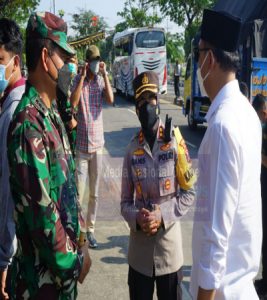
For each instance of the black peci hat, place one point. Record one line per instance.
(146, 81)
(221, 30)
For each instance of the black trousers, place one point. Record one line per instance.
(176, 86)
(264, 222)
(141, 287)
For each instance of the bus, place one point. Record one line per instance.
(137, 50)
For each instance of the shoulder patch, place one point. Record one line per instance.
(139, 152)
(165, 147)
(161, 132)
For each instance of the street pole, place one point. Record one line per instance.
(54, 6)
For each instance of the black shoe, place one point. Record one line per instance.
(91, 240)
(261, 287)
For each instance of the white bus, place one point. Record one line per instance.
(137, 50)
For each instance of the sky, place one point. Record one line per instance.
(104, 8)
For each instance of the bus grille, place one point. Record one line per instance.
(151, 65)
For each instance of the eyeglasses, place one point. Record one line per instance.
(196, 52)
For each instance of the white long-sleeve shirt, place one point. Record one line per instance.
(227, 230)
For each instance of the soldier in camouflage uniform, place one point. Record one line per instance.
(52, 254)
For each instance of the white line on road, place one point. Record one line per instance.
(132, 111)
(191, 145)
(163, 101)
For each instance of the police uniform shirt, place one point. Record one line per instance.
(150, 176)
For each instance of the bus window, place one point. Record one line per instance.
(150, 39)
(125, 47)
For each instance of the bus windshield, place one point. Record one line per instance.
(150, 39)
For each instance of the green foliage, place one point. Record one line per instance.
(105, 47)
(136, 14)
(174, 47)
(190, 33)
(121, 26)
(18, 10)
(83, 24)
(186, 13)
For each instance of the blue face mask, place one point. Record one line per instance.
(3, 80)
(73, 68)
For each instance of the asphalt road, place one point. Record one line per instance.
(108, 276)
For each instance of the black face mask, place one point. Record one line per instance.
(64, 80)
(148, 116)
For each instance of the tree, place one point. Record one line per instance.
(18, 10)
(3, 3)
(136, 14)
(87, 22)
(174, 45)
(186, 13)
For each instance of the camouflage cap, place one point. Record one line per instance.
(44, 25)
(92, 53)
(146, 81)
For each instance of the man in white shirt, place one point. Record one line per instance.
(227, 227)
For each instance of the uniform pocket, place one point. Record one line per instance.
(166, 178)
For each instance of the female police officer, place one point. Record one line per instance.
(153, 198)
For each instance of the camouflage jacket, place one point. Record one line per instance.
(47, 263)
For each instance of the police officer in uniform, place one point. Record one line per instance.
(154, 197)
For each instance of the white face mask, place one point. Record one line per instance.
(201, 80)
(94, 66)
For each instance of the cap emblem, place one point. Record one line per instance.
(145, 79)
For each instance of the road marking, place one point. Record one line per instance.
(132, 111)
(191, 145)
(163, 101)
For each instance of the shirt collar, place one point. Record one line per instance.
(35, 99)
(226, 92)
(18, 83)
(160, 134)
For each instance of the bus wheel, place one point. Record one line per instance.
(192, 124)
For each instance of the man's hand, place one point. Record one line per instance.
(86, 263)
(3, 294)
(84, 70)
(149, 221)
(141, 218)
(102, 68)
(72, 123)
(154, 220)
